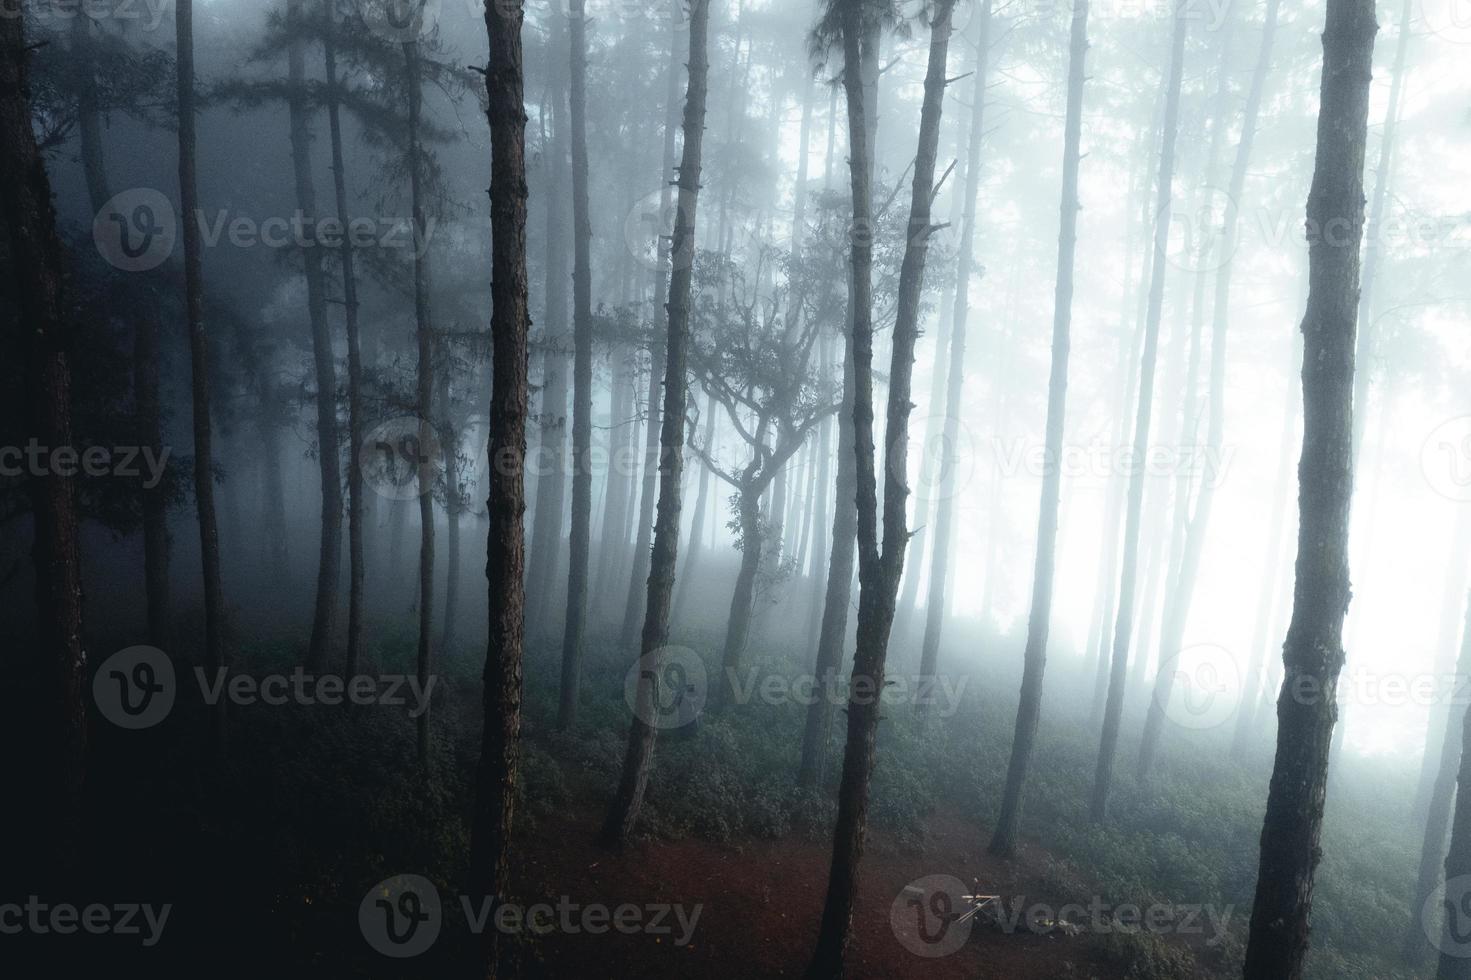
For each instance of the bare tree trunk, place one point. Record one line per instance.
(944, 530)
(551, 480)
(1438, 819)
(576, 625)
(450, 440)
(356, 512)
(1178, 606)
(1454, 963)
(613, 536)
(425, 388)
(1123, 627)
(324, 616)
(624, 809)
(38, 265)
(738, 626)
(1039, 621)
(500, 747)
(204, 489)
(1313, 655)
(879, 570)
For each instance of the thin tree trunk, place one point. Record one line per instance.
(356, 512)
(637, 583)
(879, 570)
(425, 388)
(1313, 655)
(738, 626)
(1438, 819)
(204, 489)
(944, 530)
(1123, 627)
(38, 266)
(329, 562)
(1039, 621)
(1454, 963)
(1178, 606)
(572, 636)
(500, 747)
(551, 470)
(624, 810)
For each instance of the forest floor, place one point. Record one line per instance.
(762, 902)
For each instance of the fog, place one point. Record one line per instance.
(1190, 139)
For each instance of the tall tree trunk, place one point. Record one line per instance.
(576, 625)
(1123, 627)
(1454, 963)
(450, 440)
(1453, 590)
(356, 512)
(637, 583)
(1438, 819)
(1178, 606)
(424, 334)
(1313, 655)
(624, 809)
(324, 616)
(879, 570)
(38, 266)
(551, 469)
(613, 535)
(500, 747)
(940, 537)
(204, 488)
(1039, 621)
(838, 592)
(738, 625)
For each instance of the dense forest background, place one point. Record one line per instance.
(970, 342)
